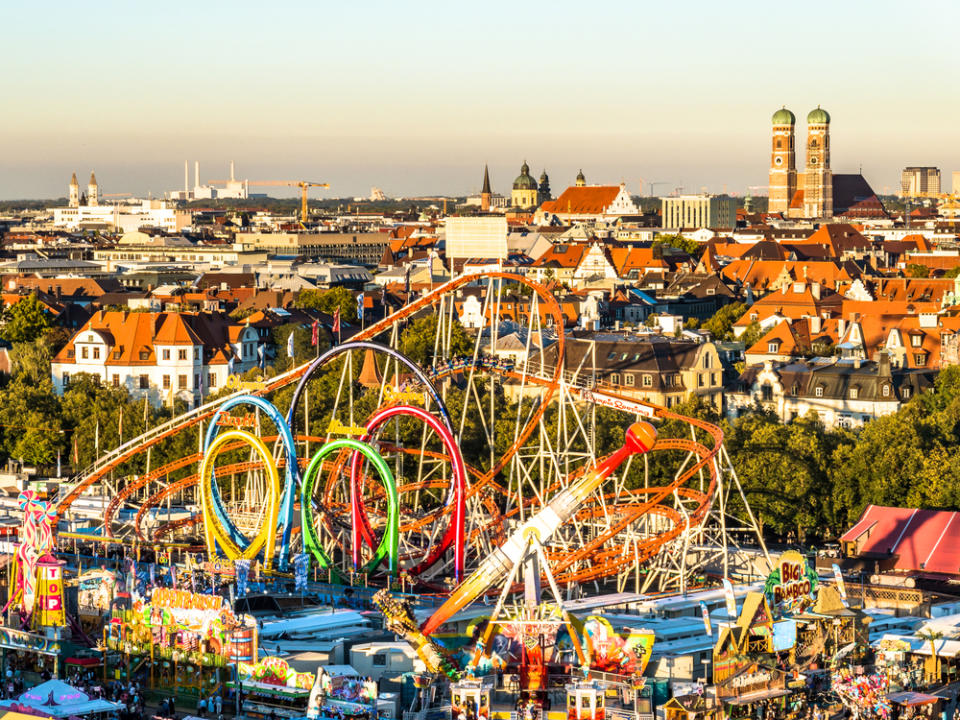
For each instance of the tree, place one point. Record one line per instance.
(329, 300)
(917, 271)
(419, 338)
(720, 325)
(751, 336)
(679, 242)
(26, 320)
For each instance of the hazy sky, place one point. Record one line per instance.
(415, 97)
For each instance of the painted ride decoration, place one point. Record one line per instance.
(792, 586)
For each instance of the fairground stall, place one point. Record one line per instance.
(183, 639)
(57, 699)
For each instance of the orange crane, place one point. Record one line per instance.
(302, 184)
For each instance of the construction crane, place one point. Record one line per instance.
(304, 185)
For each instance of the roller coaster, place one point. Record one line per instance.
(466, 450)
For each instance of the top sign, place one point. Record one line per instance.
(792, 581)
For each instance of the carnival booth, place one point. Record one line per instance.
(470, 698)
(752, 690)
(696, 706)
(908, 705)
(184, 638)
(57, 699)
(585, 701)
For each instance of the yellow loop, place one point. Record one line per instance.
(214, 533)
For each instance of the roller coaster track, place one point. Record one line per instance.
(587, 561)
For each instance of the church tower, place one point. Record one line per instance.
(93, 193)
(74, 192)
(581, 180)
(543, 191)
(818, 179)
(783, 162)
(485, 193)
(524, 193)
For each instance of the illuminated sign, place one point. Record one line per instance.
(392, 395)
(792, 581)
(338, 428)
(247, 421)
(235, 382)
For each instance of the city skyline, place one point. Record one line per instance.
(417, 102)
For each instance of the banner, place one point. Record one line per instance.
(243, 574)
(730, 599)
(841, 587)
(705, 614)
(315, 333)
(300, 566)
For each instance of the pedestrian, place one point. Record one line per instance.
(218, 702)
(201, 706)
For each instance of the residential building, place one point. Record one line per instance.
(158, 355)
(699, 211)
(920, 182)
(660, 370)
(587, 203)
(361, 248)
(841, 392)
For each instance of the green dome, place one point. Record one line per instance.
(524, 181)
(784, 117)
(818, 116)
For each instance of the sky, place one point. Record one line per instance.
(415, 97)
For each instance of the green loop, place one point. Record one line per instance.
(389, 545)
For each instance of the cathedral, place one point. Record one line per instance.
(816, 193)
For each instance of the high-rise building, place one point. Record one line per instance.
(783, 162)
(818, 178)
(920, 182)
(699, 211)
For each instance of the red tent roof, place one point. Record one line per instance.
(922, 540)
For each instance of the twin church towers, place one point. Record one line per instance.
(808, 194)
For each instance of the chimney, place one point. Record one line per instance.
(186, 176)
(815, 290)
(815, 324)
(883, 367)
(231, 171)
(196, 173)
(841, 326)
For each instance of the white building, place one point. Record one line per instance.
(122, 218)
(699, 211)
(160, 355)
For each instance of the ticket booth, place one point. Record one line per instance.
(470, 699)
(585, 701)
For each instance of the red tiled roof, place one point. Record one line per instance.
(588, 200)
(920, 540)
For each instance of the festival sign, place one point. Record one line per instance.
(793, 582)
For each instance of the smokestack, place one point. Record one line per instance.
(231, 171)
(196, 173)
(186, 176)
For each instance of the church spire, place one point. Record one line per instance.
(486, 181)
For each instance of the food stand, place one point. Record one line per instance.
(57, 699)
(754, 686)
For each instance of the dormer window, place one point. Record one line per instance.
(885, 391)
(854, 393)
(819, 391)
(916, 340)
(773, 347)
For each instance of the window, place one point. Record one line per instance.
(66, 379)
(196, 353)
(116, 380)
(920, 359)
(886, 391)
(905, 393)
(819, 391)
(96, 352)
(854, 393)
(166, 382)
(196, 381)
(144, 382)
(773, 347)
(629, 379)
(84, 352)
(713, 378)
(916, 340)
(211, 380)
(699, 379)
(766, 392)
(706, 361)
(181, 382)
(648, 380)
(181, 354)
(615, 378)
(166, 354)
(379, 660)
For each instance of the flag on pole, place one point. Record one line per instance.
(730, 598)
(705, 614)
(230, 364)
(360, 306)
(315, 333)
(290, 345)
(336, 320)
(76, 451)
(120, 425)
(841, 586)
(96, 437)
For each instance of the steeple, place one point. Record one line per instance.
(485, 194)
(581, 180)
(74, 192)
(93, 192)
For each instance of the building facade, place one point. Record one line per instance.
(525, 190)
(920, 182)
(162, 356)
(699, 211)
